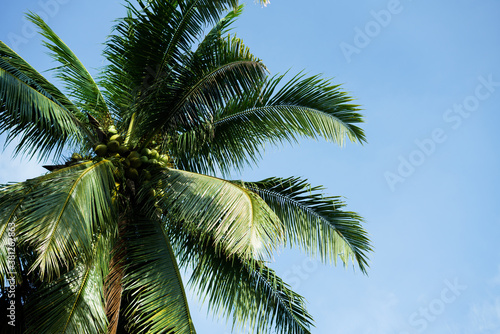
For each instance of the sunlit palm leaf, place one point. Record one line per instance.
(304, 107)
(11, 57)
(151, 43)
(64, 211)
(80, 84)
(221, 28)
(314, 222)
(214, 74)
(236, 218)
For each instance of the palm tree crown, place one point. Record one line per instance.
(101, 238)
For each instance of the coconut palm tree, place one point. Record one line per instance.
(139, 193)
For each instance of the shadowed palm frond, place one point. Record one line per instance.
(10, 208)
(74, 302)
(153, 283)
(250, 293)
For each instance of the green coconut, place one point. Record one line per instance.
(146, 174)
(146, 151)
(118, 138)
(164, 158)
(101, 150)
(122, 150)
(135, 162)
(144, 159)
(134, 154)
(113, 146)
(112, 130)
(132, 173)
(76, 156)
(154, 154)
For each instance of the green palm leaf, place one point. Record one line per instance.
(100, 236)
(237, 219)
(314, 222)
(9, 212)
(153, 283)
(28, 112)
(213, 75)
(250, 293)
(304, 107)
(74, 302)
(13, 59)
(78, 81)
(150, 44)
(63, 212)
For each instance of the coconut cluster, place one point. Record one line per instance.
(133, 161)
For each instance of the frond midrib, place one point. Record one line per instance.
(256, 110)
(305, 208)
(277, 296)
(82, 285)
(70, 192)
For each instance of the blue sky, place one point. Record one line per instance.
(427, 75)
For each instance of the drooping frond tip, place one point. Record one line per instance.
(264, 2)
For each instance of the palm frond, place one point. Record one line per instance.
(62, 213)
(304, 107)
(29, 113)
(78, 81)
(151, 42)
(157, 300)
(214, 74)
(237, 219)
(74, 302)
(221, 28)
(314, 222)
(256, 299)
(40, 82)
